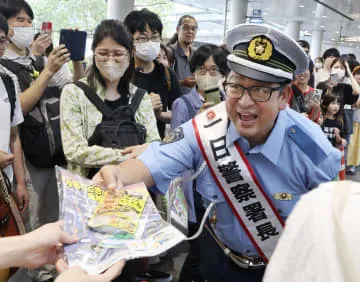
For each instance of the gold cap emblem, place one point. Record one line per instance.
(260, 48)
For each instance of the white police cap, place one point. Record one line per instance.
(264, 53)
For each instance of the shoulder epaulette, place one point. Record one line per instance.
(307, 144)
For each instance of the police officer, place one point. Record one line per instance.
(260, 156)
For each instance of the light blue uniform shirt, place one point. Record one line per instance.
(295, 158)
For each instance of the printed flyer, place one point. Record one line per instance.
(111, 225)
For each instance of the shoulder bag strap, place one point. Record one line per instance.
(94, 98)
(191, 112)
(135, 102)
(168, 78)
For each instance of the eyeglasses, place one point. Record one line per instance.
(144, 39)
(213, 71)
(193, 28)
(118, 56)
(4, 40)
(257, 93)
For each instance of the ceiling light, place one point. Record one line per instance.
(324, 16)
(301, 6)
(337, 32)
(322, 26)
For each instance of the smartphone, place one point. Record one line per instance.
(46, 28)
(212, 94)
(75, 42)
(334, 78)
(316, 95)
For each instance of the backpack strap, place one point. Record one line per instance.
(10, 89)
(94, 98)
(298, 96)
(135, 102)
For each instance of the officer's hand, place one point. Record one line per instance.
(343, 142)
(39, 46)
(76, 274)
(134, 151)
(57, 58)
(156, 102)
(6, 159)
(205, 106)
(108, 176)
(188, 81)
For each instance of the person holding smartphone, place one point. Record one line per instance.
(209, 66)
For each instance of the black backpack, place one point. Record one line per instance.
(118, 128)
(40, 131)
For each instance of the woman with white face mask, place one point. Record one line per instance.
(342, 84)
(109, 77)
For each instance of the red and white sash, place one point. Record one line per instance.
(237, 181)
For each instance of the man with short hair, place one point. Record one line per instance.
(259, 155)
(182, 50)
(158, 80)
(306, 47)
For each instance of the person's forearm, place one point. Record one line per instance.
(12, 250)
(79, 70)
(16, 149)
(31, 96)
(134, 171)
(355, 85)
(165, 116)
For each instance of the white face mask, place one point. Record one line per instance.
(112, 71)
(147, 51)
(23, 36)
(205, 81)
(339, 72)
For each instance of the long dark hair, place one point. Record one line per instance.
(117, 31)
(326, 101)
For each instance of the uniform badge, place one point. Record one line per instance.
(283, 196)
(210, 115)
(260, 48)
(173, 136)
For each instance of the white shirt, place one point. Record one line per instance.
(310, 249)
(6, 123)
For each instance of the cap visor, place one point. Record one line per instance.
(261, 73)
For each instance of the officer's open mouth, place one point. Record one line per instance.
(247, 117)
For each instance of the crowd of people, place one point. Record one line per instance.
(257, 121)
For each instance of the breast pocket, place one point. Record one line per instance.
(206, 186)
(284, 202)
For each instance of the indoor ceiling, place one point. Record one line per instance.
(340, 19)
